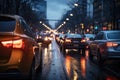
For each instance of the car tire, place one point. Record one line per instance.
(63, 50)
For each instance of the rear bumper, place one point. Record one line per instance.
(111, 54)
(114, 54)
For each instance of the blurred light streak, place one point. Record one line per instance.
(83, 66)
(68, 64)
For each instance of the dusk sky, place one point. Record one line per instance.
(55, 9)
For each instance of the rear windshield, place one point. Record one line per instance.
(7, 24)
(113, 35)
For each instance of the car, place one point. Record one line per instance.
(89, 38)
(60, 39)
(18, 48)
(44, 38)
(105, 46)
(74, 41)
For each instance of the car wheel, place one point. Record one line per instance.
(60, 47)
(63, 50)
(32, 73)
(98, 58)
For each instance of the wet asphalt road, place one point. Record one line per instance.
(71, 65)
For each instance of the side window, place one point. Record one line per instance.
(26, 28)
(99, 36)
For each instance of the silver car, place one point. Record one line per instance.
(106, 45)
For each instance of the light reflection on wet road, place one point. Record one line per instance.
(52, 63)
(72, 66)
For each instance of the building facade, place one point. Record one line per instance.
(117, 13)
(40, 8)
(105, 14)
(7, 7)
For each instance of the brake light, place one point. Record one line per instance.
(67, 40)
(87, 39)
(46, 38)
(83, 40)
(13, 43)
(111, 44)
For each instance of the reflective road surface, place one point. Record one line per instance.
(71, 65)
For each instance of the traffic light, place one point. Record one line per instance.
(82, 25)
(104, 28)
(87, 30)
(96, 27)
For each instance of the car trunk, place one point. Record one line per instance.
(7, 27)
(5, 47)
(118, 46)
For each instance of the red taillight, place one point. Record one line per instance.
(13, 43)
(87, 39)
(111, 44)
(83, 40)
(67, 40)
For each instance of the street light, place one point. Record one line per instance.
(75, 4)
(64, 22)
(67, 19)
(40, 22)
(71, 14)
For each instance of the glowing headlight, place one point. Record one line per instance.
(46, 38)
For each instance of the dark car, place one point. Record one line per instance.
(18, 48)
(60, 39)
(105, 46)
(89, 38)
(44, 38)
(74, 41)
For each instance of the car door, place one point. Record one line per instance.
(97, 43)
